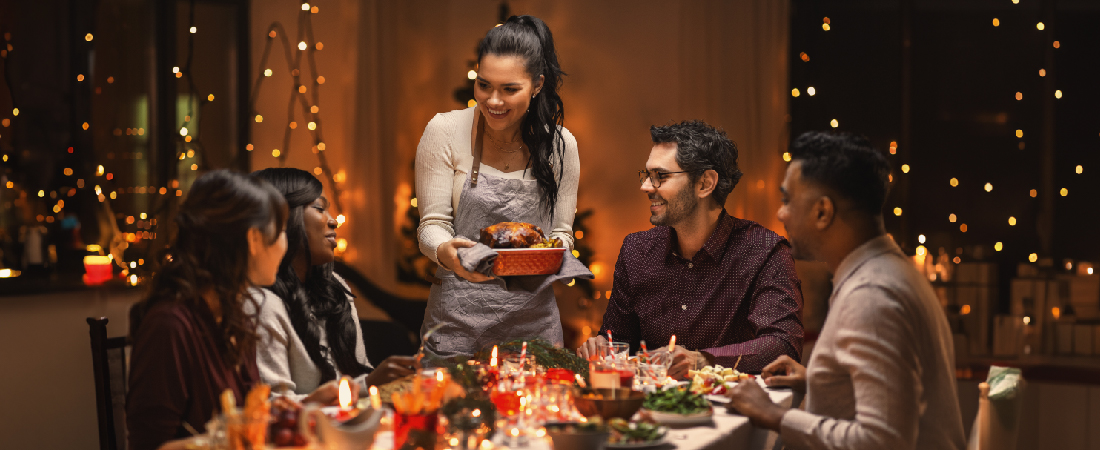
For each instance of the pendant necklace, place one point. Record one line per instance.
(506, 147)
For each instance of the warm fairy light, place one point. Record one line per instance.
(85, 125)
(576, 253)
(176, 69)
(962, 228)
(989, 187)
(110, 80)
(1069, 265)
(271, 34)
(472, 74)
(88, 37)
(312, 125)
(305, 6)
(1056, 312)
(921, 250)
(951, 218)
(10, 185)
(259, 118)
(133, 280)
(893, 147)
(1042, 72)
(276, 153)
(998, 246)
(68, 172)
(267, 72)
(1039, 26)
(1064, 192)
(194, 30)
(1057, 44)
(812, 92)
(321, 146)
(803, 56)
(193, 167)
(825, 26)
(320, 80)
(897, 212)
(921, 239)
(302, 89)
(293, 125)
(313, 109)
(1019, 133)
(1079, 169)
(1058, 93)
(1027, 320)
(954, 182)
(183, 131)
(340, 176)
(1012, 221)
(834, 123)
(1089, 270)
(795, 93)
(904, 168)
(996, 22)
(341, 245)
(471, 103)
(964, 310)
(787, 156)
(210, 98)
(1033, 257)
(340, 219)
(302, 45)
(15, 111)
(317, 171)
(1019, 96)
(80, 77)
(956, 260)
(314, 10)
(1034, 193)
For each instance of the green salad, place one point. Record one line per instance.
(623, 432)
(676, 401)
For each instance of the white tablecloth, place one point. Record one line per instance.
(726, 431)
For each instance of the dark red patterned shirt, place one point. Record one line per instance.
(739, 295)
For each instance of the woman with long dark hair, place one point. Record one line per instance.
(192, 336)
(525, 170)
(309, 327)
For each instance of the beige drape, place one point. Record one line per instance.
(390, 66)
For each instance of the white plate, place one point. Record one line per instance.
(679, 419)
(720, 399)
(662, 440)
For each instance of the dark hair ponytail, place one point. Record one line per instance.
(530, 38)
(321, 297)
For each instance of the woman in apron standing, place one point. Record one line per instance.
(524, 167)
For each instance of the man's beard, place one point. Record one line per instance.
(675, 211)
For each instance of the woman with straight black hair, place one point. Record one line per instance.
(507, 159)
(309, 327)
(193, 336)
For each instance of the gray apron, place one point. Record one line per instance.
(477, 315)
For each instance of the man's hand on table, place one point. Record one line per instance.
(684, 360)
(593, 347)
(749, 399)
(391, 369)
(785, 371)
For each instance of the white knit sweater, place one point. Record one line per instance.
(282, 359)
(443, 161)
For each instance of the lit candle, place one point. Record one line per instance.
(375, 399)
(493, 359)
(346, 412)
(672, 343)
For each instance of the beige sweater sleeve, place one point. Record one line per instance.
(443, 160)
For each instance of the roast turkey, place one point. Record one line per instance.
(512, 235)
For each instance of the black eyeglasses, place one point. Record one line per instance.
(655, 178)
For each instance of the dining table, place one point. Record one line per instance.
(725, 430)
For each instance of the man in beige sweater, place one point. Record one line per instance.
(882, 372)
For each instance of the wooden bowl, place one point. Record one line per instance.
(621, 402)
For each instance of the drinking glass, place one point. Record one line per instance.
(418, 427)
(603, 374)
(619, 350)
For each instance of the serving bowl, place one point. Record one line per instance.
(527, 261)
(608, 403)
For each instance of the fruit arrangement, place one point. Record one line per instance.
(715, 379)
(283, 431)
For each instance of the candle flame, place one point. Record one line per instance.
(477, 412)
(375, 399)
(493, 360)
(439, 375)
(672, 343)
(345, 393)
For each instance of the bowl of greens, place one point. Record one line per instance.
(677, 406)
(635, 434)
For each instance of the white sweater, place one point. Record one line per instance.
(282, 359)
(443, 161)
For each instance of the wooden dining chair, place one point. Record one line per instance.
(109, 368)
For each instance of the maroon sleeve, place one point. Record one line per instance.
(156, 402)
(619, 317)
(776, 317)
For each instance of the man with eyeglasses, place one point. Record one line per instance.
(725, 287)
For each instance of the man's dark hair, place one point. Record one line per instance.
(845, 163)
(699, 148)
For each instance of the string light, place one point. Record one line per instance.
(340, 219)
(1080, 169)
(302, 45)
(1019, 96)
(834, 123)
(904, 168)
(954, 182)
(194, 30)
(998, 246)
(804, 56)
(989, 187)
(897, 212)
(276, 153)
(267, 72)
(1042, 72)
(921, 239)
(1058, 93)
(1040, 26)
(951, 218)
(1033, 257)
(787, 156)
(996, 22)
(893, 147)
(795, 93)
(1019, 133)
(259, 118)
(1034, 193)
(962, 228)
(305, 6)
(1057, 44)
(1011, 221)
(812, 92)
(210, 98)
(88, 37)
(1064, 192)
